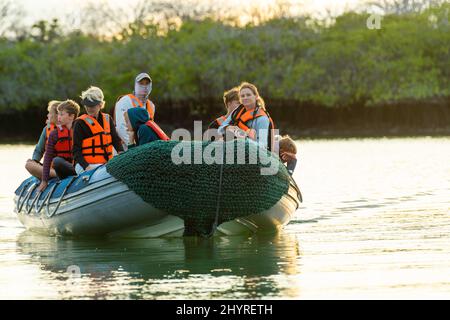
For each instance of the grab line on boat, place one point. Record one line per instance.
(47, 197)
(18, 205)
(299, 193)
(28, 208)
(27, 197)
(73, 178)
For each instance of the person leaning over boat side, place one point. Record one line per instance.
(141, 129)
(138, 99)
(58, 151)
(33, 165)
(94, 133)
(231, 102)
(287, 152)
(251, 118)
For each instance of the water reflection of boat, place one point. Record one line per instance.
(162, 257)
(97, 204)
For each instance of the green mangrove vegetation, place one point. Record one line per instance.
(312, 74)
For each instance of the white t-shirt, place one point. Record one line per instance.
(122, 106)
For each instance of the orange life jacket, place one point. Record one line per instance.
(63, 147)
(244, 120)
(98, 148)
(148, 105)
(49, 128)
(220, 120)
(159, 132)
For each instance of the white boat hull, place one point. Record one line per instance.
(106, 207)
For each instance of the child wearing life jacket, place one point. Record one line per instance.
(58, 151)
(33, 165)
(231, 102)
(141, 129)
(288, 152)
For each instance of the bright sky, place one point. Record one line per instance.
(47, 9)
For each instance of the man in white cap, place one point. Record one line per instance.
(138, 99)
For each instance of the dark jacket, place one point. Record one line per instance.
(143, 134)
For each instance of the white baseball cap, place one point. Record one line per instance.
(143, 75)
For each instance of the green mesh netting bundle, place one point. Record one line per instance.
(190, 191)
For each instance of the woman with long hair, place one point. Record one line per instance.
(251, 118)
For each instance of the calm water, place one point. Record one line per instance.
(375, 223)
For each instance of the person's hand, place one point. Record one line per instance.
(42, 186)
(232, 128)
(240, 134)
(288, 156)
(90, 167)
(251, 134)
(237, 132)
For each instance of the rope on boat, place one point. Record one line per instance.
(28, 208)
(216, 218)
(27, 197)
(19, 205)
(38, 208)
(73, 178)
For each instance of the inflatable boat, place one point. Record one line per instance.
(155, 200)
